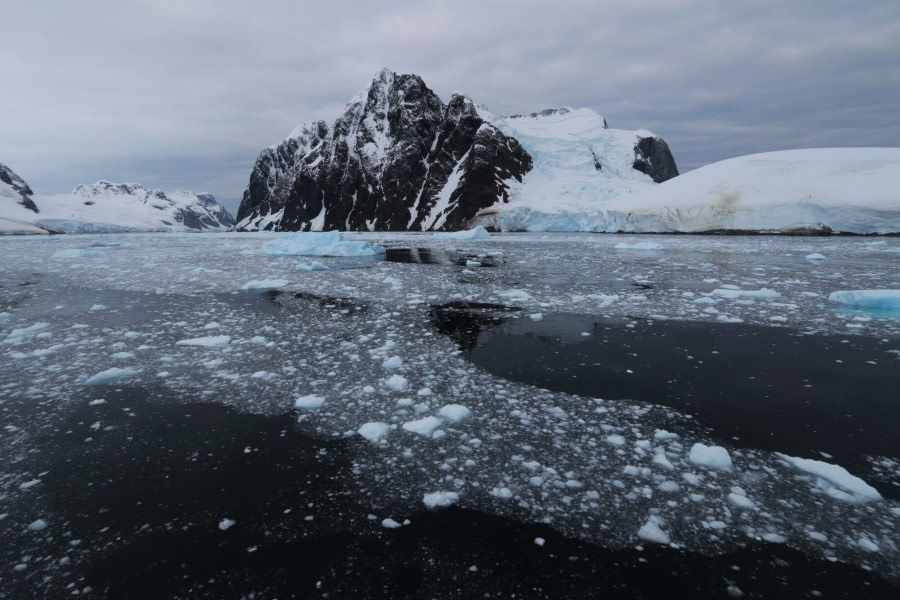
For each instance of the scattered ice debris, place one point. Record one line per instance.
(398, 383)
(374, 430)
(38, 525)
(331, 243)
(835, 480)
(313, 266)
(440, 499)
(503, 493)
(425, 426)
(730, 293)
(479, 233)
(454, 413)
(310, 402)
(109, 375)
(536, 317)
(516, 295)
(873, 299)
(17, 335)
(651, 532)
(711, 457)
(390, 524)
(394, 362)
(815, 256)
(213, 341)
(639, 246)
(264, 284)
(225, 524)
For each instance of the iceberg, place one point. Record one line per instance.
(872, 299)
(331, 243)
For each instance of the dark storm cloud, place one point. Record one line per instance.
(178, 94)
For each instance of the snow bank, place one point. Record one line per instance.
(331, 243)
(873, 299)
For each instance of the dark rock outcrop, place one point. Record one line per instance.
(397, 159)
(653, 157)
(18, 185)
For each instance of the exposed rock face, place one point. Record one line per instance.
(653, 157)
(19, 189)
(397, 159)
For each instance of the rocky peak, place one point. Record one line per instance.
(20, 191)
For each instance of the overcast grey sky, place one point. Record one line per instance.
(183, 94)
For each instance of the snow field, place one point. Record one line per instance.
(422, 419)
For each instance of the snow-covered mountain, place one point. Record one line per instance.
(851, 190)
(105, 207)
(17, 208)
(401, 159)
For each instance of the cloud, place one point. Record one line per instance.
(185, 94)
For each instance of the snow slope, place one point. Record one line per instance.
(16, 204)
(855, 190)
(105, 207)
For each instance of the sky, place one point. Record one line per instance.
(183, 94)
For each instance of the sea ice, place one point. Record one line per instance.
(479, 233)
(440, 499)
(712, 457)
(454, 413)
(639, 246)
(109, 375)
(309, 402)
(425, 426)
(830, 475)
(873, 299)
(226, 524)
(331, 243)
(396, 382)
(651, 532)
(729, 293)
(264, 284)
(374, 430)
(212, 341)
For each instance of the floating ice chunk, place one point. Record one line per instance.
(867, 544)
(729, 319)
(109, 375)
(615, 440)
(454, 413)
(226, 524)
(212, 341)
(479, 233)
(727, 292)
(661, 435)
(875, 299)
(4, 316)
(75, 253)
(740, 501)
(314, 266)
(97, 402)
(396, 382)
(121, 355)
(712, 457)
(17, 335)
(651, 532)
(503, 493)
(536, 317)
(97, 307)
(389, 523)
(394, 362)
(539, 541)
(374, 430)
(424, 392)
(516, 295)
(440, 499)
(833, 476)
(774, 538)
(264, 284)
(425, 426)
(668, 486)
(38, 525)
(310, 402)
(660, 459)
(815, 256)
(29, 484)
(639, 246)
(331, 243)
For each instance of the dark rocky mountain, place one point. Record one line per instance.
(19, 189)
(397, 159)
(400, 159)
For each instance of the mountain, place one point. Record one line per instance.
(17, 208)
(398, 158)
(105, 207)
(850, 190)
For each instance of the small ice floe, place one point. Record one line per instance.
(394, 362)
(262, 285)
(711, 457)
(398, 383)
(225, 524)
(17, 335)
(374, 431)
(109, 375)
(310, 402)
(516, 295)
(331, 243)
(389, 523)
(313, 266)
(815, 256)
(38, 525)
(652, 532)
(440, 499)
(730, 294)
(211, 341)
(835, 480)
(76, 253)
(97, 307)
(479, 233)
(454, 413)
(536, 317)
(639, 246)
(424, 426)
(872, 299)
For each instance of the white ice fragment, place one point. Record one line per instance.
(374, 430)
(264, 284)
(615, 440)
(454, 413)
(661, 435)
(668, 486)
(29, 484)
(424, 392)
(38, 525)
(479, 233)
(440, 499)
(536, 317)
(872, 299)
(212, 341)
(740, 501)
(774, 538)
(314, 266)
(97, 307)
(539, 541)
(516, 295)
(639, 246)
(727, 292)
(97, 402)
(109, 375)
(396, 382)
(394, 362)
(712, 457)
(226, 523)
(309, 402)
(425, 426)
(331, 243)
(830, 476)
(815, 256)
(867, 544)
(651, 532)
(389, 523)
(503, 493)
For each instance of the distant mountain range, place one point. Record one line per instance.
(105, 207)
